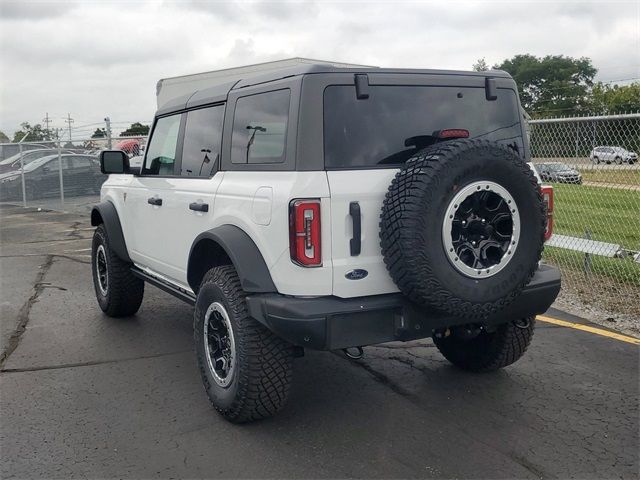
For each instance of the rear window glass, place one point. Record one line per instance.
(395, 121)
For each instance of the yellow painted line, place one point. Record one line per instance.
(590, 329)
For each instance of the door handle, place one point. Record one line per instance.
(154, 201)
(199, 207)
(355, 243)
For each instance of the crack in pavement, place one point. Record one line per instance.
(23, 313)
(91, 362)
(57, 240)
(55, 255)
(75, 233)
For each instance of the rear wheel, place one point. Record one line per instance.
(618, 161)
(245, 368)
(480, 350)
(596, 160)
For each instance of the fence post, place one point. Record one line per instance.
(577, 139)
(587, 257)
(107, 121)
(60, 174)
(24, 191)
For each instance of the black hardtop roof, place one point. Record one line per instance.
(219, 90)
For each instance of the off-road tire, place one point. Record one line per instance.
(488, 351)
(124, 290)
(411, 226)
(262, 377)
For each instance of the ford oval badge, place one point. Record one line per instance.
(357, 274)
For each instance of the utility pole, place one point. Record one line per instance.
(47, 121)
(107, 121)
(69, 120)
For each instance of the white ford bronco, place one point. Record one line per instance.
(331, 207)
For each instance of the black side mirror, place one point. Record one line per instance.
(114, 161)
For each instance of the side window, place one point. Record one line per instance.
(202, 140)
(161, 153)
(260, 128)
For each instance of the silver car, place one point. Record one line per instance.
(613, 154)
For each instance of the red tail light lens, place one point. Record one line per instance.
(453, 133)
(547, 196)
(304, 232)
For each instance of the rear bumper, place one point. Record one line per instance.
(330, 323)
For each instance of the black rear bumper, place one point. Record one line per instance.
(329, 323)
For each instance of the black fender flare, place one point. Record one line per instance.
(243, 253)
(106, 213)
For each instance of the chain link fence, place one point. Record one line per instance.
(59, 175)
(592, 163)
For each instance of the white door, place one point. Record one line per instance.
(358, 193)
(172, 210)
(149, 199)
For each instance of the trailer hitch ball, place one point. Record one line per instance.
(354, 353)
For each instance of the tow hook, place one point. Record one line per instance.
(354, 356)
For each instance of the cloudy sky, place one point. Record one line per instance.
(97, 58)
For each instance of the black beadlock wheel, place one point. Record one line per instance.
(489, 350)
(246, 369)
(118, 291)
(462, 227)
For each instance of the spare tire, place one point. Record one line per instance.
(462, 227)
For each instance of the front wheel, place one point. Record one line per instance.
(478, 349)
(118, 291)
(596, 160)
(245, 368)
(618, 161)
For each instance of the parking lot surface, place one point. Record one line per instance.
(83, 395)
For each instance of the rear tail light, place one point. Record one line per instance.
(304, 232)
(450, 133)
(547, 197)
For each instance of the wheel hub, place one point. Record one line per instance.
(219, 344)
(102, 273)
(481, 229)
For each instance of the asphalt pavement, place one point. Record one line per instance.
(84, 395)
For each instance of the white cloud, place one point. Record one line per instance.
(94, 59)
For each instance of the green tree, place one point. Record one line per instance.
(608, 99)
(99, 133)
(552, 85)
(33, 133)
(136, 129)
(3, 137)
(481, 65)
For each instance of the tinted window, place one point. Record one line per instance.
(202, 139)
(161, 153)
(260, 128)
(396, 121)
(81, 162)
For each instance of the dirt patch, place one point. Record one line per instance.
(599, 300)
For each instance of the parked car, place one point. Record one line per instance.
(618, 155)
(9, 149)
(13, 163)
(80, 173)
(556, 172)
